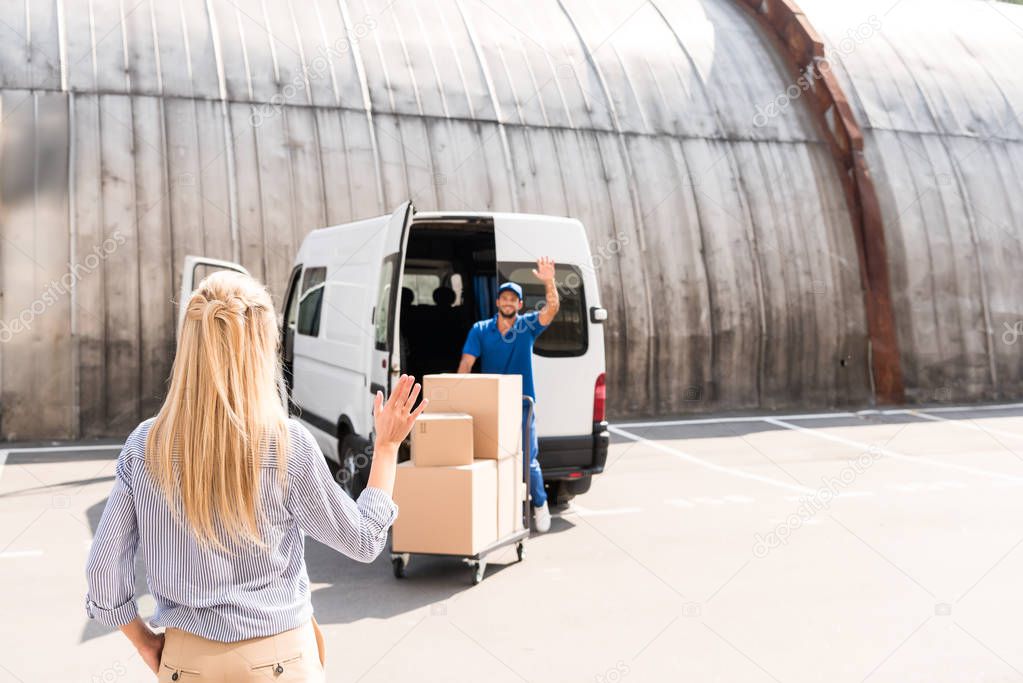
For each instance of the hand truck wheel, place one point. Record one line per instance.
(399, 562)
(478, 569)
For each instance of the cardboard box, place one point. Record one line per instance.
(442, 439)
(445, 509)
(494, 401)
(509, 495)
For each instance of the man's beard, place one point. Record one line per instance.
(507, 316)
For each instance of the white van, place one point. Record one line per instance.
(370, 300)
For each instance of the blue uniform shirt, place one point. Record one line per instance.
(508, 354)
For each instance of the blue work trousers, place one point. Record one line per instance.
(536, 490)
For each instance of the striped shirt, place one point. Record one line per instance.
(216, 594)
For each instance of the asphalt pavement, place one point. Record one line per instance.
(861, 546)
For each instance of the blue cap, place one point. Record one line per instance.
(511, 286)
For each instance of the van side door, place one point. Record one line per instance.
(387, 312)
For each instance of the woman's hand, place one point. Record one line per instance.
(394, 419)
(151, 651)
(148, 643)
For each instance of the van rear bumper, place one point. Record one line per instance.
(567, 457)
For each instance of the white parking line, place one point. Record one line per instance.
(712, 500)
(745, 500)
(919, 459)
(586, 512)
(966, 425)
(731, 471)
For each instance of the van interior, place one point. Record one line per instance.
(449, 282)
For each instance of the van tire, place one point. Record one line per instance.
(558, 494)
(562, 492)
(576, 486)
(355, 454)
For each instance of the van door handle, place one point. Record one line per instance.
(598, 314)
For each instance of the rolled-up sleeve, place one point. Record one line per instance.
(324, 511)
(110, 569)
(472, 344)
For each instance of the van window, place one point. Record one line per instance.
(456, 285)
(422, 286)
(568, 334)
(291, 305)
(382, 314)
(311, 301)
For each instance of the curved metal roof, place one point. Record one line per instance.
(233, 128)
(938, 90)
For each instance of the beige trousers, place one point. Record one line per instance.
(293, 655)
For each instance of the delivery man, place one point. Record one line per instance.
(505, 345)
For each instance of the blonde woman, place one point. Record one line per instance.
(217, 491)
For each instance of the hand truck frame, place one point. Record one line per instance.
(478, 563)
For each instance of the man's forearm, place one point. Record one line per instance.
(465, 365)
(553, 298)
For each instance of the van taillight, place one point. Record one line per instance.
(599, 399)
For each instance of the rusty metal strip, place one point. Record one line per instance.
(792, 33)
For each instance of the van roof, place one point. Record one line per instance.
(312, 241)
(423, 216)
(440, 215)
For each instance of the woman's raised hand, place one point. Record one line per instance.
(395, 417)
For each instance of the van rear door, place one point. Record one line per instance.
(194, 269)
(569, 355)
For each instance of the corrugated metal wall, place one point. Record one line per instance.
(135, 133)
(938, 90)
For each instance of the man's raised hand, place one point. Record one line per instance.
(544, 271)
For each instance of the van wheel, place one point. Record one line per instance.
(355, 459)
(559, 493)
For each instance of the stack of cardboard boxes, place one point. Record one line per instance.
(462, 490)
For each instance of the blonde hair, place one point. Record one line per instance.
(222, 411)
